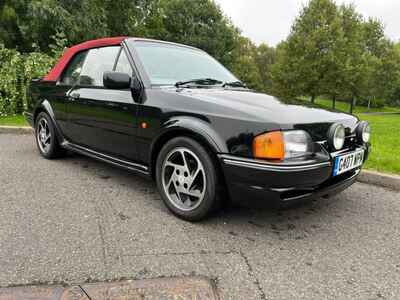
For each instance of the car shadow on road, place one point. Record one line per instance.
(306, 214)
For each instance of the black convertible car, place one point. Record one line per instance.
(173, 113)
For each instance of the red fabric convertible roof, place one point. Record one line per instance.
(56, 71)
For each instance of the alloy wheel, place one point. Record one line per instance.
(183, 179)
(43, 135)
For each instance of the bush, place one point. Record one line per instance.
(10, 61)
(16, 72)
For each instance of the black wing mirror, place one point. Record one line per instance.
(116, 80)
(137, 89)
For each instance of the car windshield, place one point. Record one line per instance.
(168, 64)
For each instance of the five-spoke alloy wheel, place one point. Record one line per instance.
(183, 179)
(187, 179)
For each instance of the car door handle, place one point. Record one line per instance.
(74, 96)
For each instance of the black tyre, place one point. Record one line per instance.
(188, 179)
(46, 138)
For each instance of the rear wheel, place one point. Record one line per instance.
(188, 179)
(46, 138)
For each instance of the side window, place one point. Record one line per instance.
(123, 64)
(97, 62)
(71, 74)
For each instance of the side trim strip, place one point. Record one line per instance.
(106, 158)
(249, 163)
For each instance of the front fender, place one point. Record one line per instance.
(198, 127)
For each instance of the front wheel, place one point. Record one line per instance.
(187, 179)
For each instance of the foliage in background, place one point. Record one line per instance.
(244, 65)
(332, 51)
(35, 33)
(10, 61)
(265, 58)
(309, 55)
(17, 70)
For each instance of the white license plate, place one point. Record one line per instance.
(348, 162)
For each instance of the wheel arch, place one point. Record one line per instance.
(46, 107)
(198, 130)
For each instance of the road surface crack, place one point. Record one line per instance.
(252, 275)
(202, 252)
(83, 291)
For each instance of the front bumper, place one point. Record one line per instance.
(255, 181)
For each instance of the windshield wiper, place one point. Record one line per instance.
(200, 81)
(234, 84)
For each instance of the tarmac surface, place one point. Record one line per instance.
(75, 220)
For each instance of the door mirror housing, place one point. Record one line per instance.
(137, 89)
(116, 80)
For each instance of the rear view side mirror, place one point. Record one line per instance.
(137, 89)
(116, 80)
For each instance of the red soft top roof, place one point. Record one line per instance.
(56, 71)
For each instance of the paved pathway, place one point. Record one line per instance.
(76, 220)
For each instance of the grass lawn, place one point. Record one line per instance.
(17, 120)
(385, 156)
(344, 106)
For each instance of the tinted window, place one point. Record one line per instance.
(168, 64)
(71, 74)
(97, 62)
(123, 64)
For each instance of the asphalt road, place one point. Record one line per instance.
(76, 220)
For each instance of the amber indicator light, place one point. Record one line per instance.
(269, 145)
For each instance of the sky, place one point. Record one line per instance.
(269, 21)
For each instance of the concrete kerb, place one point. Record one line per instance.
(15, 130)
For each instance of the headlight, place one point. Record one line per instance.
(297, 143)
(281, 145)
(336, 136)
(363, 132)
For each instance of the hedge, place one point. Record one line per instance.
(16, 72)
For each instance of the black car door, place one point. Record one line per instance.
(59, 93)
(101, 119)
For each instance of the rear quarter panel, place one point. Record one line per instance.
(50, 97)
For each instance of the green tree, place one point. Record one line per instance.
(10, 33)
(245, 66)
(308, 56)
(199, 23)
(382, 64)
(354, 60)
(389, 75)
(286, 82)
(394, 96)
(265, 57)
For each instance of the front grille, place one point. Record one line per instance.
(350, 144)
(350, 141)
